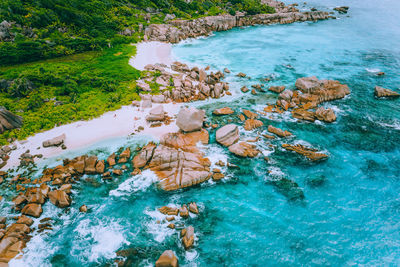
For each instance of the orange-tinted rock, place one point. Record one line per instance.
(251, 124)
(303, 114)
(183, 211)
(185, 141)
(143, 157)
(383, 92)
(59, 198)
(309, 153)
(193, 208)
(169, 211)
(111, 160)
(277, 89)
(124, 156)
(167, 259)
(90, 164)
(278, 131)
(326, 115)
(83, 208)
(24, 220)
(188, 237)
(34, 210)
(100, 167)
(249, 114)
(244, 149)
(223, 111)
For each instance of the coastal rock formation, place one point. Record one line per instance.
(190, 119)
(223, 111)
(227, 135)
(185, 141)
(56, 141)
(326, 115)
(167, 259)
(310, 153)
(278, 131)
(178, 30)
(8, 120)
(243, 149)
(251, 124)
(187, 236)
(156, 114)
(383, 92)
(277, 89)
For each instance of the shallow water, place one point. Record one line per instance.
(353, 217)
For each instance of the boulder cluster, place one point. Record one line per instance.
(181, 83)
(177, 30)
(304, 101)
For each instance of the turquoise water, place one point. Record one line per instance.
(352, 218)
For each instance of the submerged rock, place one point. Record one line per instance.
(223, 111)
(288, 188)
(310, 153)
(316, 180)
(383, 92)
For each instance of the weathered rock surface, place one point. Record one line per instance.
(187, 236)
(383, 92)
(277, 89)
(278, 131)
(185, 141)
(56, 141)
(190, 119)
(326, 115)
(251, 124)
(34, 210)
(244, 149)
(156, 114)
(310, 153)
(227, 135)
(167, 259)
(8, 120)
(223, 111)
(59, 198)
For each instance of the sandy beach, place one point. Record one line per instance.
(113, 124)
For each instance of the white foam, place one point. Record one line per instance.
(96, 241)
(276, 172)
(158, 225)
(134, 184)
(372, 70)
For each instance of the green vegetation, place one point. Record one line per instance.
(59, 91)
(42, 29)
(84, 50)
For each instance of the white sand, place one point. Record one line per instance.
(113, 124)
(151, 53)
(119, 123)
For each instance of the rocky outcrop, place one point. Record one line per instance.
(187, 236)
(326, 115)
(310, 153)
(383, 92)
(223, 111)
(342, 9)
(178, 30)
(227, 135)
(156, 114)
(56, 141)
(167, 259)
(251, 124)
(8, 120)
(279, 132)
(190, 119)
(243, 149)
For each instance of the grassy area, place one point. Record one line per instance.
(68, 89)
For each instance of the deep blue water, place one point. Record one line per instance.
(352, 218)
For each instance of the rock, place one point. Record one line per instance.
(383, 92)
(169, 211)
(223, 111)
(56, 141)
(193, 208)
(184, 212)
(252, 124)
(158, 98)
(278, 132)
(59, 198)
(310, 153)
(241, 75)
(117, 172)
(146, 104)
(24, 220)
(111, 160)
(244, 149)
(288, 188)
(136, 103)
(320, 90)
(8, 120)
(167, 259)
(302, 114)
(226, 70)
(188, 237)
(244, 89)
(227, 135)
(190, 119)
(249, 114)
(202, 75)
(143, 86)
(34, 210)
(316, 180)
(217, 176)
(171, 226)
(277, 89)
(156, 114)
(100, 167)
(90, 165)
(144, 156)
(124, 156)
(83, 208)
(342, 9)
(326, 115)
(66, 188)
(185, 141)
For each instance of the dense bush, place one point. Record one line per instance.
(53, 28)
